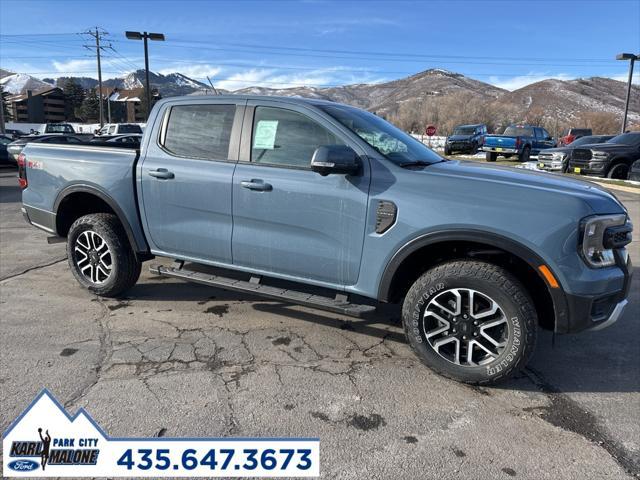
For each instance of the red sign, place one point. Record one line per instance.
(430, 130)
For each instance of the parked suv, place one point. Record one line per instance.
(571, 135)
(466, 139)
(318, 194)
(557, 159)
(611, 159)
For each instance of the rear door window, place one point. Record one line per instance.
(199, 131)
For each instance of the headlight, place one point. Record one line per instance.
(558, 156)
(598, 155)
(594, 231)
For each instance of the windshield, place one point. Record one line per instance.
(518, 132)
(390, 141)
(129, 129)
(464, 131)
(59, 128)
(626, 139)
(585, 140)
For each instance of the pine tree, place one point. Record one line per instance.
(90, 108)
(155, 96)
(8, 114)
(74, 95)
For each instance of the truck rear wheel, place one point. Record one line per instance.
(525, 154)
(470, 321)
(100, 255)
(491, 156)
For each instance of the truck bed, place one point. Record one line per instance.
(54, 171)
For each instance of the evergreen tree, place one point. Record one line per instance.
(74, 95)
(90, 108)
(8, 114)
(155, 96)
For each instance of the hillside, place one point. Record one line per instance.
(435, 96)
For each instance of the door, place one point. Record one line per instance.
(287, 219)
(543, 140)
(186, 181)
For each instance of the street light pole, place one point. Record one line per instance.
(632, 58)
(146, 36)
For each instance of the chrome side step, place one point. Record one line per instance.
(340, 304)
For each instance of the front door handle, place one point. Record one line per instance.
(161, 173)
(255, 184)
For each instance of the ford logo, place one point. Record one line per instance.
(23, 465)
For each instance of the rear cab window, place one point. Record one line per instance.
(201, 131)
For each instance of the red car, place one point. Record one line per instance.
(574, 133)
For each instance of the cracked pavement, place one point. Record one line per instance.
(178, 359)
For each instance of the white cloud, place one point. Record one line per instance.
(193, 71)
(75, 67)
(273, 78)
(514, 83)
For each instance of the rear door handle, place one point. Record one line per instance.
(256, 184)
(161, 173)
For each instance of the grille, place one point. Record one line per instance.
(581, 154)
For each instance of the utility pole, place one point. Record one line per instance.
(632, 58)
(2, 130)
(97, 34)
(146, 36)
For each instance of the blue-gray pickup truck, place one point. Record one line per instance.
(520, 140)
(332, 207)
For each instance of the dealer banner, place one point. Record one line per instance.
(45, 441)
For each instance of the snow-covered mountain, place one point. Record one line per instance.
(561, 99)
(16, 83)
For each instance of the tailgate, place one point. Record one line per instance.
(500, 141)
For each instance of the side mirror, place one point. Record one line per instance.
(330, 159)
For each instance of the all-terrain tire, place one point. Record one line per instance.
(525, 154)
(105, 231)
(491, 156)
(487, 281)
(447, 151)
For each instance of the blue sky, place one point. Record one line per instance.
(283, 43)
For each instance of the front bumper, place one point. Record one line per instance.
(592, 167)
(595, 312)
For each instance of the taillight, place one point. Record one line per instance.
(22, 170)
(518, 142)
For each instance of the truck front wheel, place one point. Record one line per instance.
(470, 321)
(100, 255)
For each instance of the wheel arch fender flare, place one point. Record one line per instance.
(501, 242)
(97, 191)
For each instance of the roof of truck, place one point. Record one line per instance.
(294, 100)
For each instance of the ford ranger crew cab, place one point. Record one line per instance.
(291, 197)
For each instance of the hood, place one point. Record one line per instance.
(537, 183)
(606, 147)
(457, 138)
(557, 150)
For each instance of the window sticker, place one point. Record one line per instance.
(265, 136)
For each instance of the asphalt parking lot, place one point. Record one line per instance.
(179, 359)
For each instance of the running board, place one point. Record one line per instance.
(339, 304)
